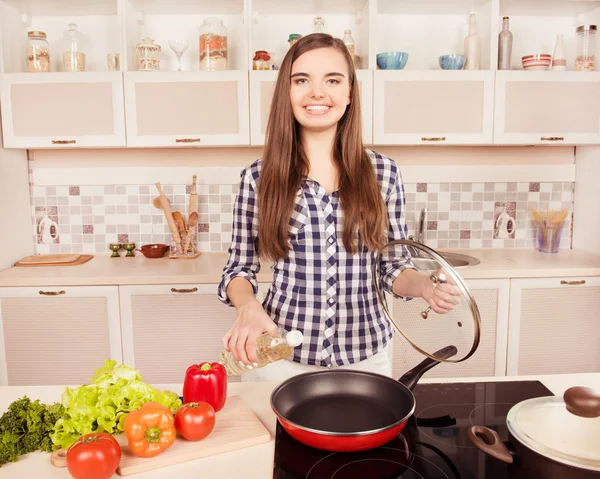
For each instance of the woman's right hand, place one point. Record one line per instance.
(240, 340)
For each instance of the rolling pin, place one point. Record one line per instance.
(169, 215)
(193, 198)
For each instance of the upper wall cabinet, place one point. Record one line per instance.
(187, 109)
(547, 108)
(262, 86)
(63, 110)
(449, 107)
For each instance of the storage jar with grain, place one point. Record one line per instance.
(38, 52)
(213, 45)
(73, 57)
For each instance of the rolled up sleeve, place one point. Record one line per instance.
(243, 253)
(395, 259)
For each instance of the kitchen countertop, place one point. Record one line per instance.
(103, 270)
(254, 462)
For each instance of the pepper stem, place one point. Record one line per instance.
(153, 434)
(205, 367)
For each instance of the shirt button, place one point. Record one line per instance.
(331, 301)
(331, 239)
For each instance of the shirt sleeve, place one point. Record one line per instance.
(243, 253)
(395, 259)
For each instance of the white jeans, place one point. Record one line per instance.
(281, 370)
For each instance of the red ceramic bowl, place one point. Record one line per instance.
(154, 250)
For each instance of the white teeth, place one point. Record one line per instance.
(317, 108)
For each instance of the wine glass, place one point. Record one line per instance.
(179, 46)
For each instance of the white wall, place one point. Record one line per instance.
(586, 233)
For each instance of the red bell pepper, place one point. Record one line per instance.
(206, 382)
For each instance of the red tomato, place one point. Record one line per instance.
(195, 420)
(94, 456)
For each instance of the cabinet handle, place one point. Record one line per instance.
(434, 138)
(64, 142)
(552, 138)
(573, 282)
(192, 290)
(53, 293)
(187, 140)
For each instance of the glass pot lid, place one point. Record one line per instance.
(429, 333)
(549, 428)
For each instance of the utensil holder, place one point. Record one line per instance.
(176, 253)
(548, 236)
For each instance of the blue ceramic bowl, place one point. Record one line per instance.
(392, 60)
(454, 61)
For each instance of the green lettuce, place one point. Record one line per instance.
(103, 405)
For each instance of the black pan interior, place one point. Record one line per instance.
(342, 401)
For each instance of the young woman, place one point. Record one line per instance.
(318, 205)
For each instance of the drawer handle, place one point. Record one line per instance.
(434, 138)
(552, 138)
(192, 290)
(64, 142)
(53, 293)
(573, 282)
(187, 140)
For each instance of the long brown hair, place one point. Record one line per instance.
(285, 165)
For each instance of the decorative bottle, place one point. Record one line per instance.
(319, 25)
(268, 349)
(350, 45)
(472, 46)
(505, 41)
(559, 59)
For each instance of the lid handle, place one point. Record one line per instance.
(583, 402)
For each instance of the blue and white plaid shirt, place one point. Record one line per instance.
(321, 289)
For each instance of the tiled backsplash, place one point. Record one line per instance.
(85, 219)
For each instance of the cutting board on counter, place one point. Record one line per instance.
(54, 260)
(236, 427)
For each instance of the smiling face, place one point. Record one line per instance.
(320, 89)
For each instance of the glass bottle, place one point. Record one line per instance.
(505, 41)
(586, 48)
(268, 349)
(148, 55)
(73, 57)
(559, 59)
(472, 46)
(350, 45)
(319, 25)
(38, 52)
(213, 45)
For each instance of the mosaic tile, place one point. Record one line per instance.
(422, 187)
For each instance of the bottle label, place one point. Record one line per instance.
(559, 63)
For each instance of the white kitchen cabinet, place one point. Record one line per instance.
(57, 335)
(63, 110)
(433, 107)
(547, 108)
(182, 109)
(553, 326)
(262, 87)
(489, 359)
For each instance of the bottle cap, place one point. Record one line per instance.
(294, 338)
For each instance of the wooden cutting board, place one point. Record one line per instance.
(55, 260)
(236, 427)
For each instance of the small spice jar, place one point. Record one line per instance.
(293, 38)
(73, 57)
(585, 60)
(261, 60)
(148, 55)
(213, 45)
(38, 52)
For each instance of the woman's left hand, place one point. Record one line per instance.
(441, 296)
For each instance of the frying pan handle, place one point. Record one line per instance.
(488, 441)
(411, 378)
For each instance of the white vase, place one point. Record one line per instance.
(559, 59)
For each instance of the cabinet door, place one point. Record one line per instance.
(553, 326)
(57, 335)
(489, 359)
(262, 87)
(63, 110)
(547, 108)
(187, 108)
(433, 107)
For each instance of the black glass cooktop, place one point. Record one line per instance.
(434, 445)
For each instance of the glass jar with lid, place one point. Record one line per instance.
(148, 55)
(585, 60)
(293, 38)
(73, 57)
(213, 45)
(38, 52)
(261, 60)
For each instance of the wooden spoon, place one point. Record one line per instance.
(192, 223)
(180, 222)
